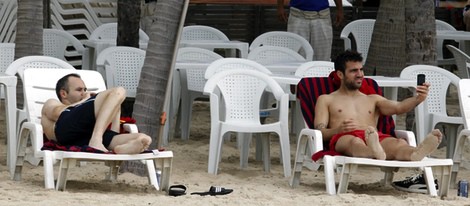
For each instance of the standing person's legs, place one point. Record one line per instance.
(321, 39)
(299, 26)
(107, 107)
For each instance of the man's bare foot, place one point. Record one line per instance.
(372, 141)
(428, 145)
(98, 146)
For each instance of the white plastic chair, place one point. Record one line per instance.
(311, 141)
(192, 82)
(361, 30)
(435, 106)
(284, 39)
(122, 66)
(241, 91)
(271, 55)
(461, 60)
(38, 91)
(201, 32)
(56, 43)
(109, 31)
(464, 136)
(315, 69)
(33, 62)
(442, 25)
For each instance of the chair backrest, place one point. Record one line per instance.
(464, 98)
(234, 64)
(310, 88)
(315, 69)
(38, 90)
(55, 43)
(442, 25)
(241, 90)
(284, 39)
(461, 60)
(122, 66)
(200, 32)
(361, 30)
(7, 55)
(194, 78)
(266, 55)
(36, 62)
(109, 31)
(440, 80)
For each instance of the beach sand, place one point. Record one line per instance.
(252, 186)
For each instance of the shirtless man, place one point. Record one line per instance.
(81, 118)
(348, 118)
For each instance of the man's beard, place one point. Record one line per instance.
(351, 85)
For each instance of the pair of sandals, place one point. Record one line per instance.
(178, 190)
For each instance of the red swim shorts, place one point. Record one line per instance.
(357, 133)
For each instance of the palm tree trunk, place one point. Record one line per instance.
(29, 28)
(149, 104)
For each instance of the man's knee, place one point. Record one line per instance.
(118, 92)
(145, 139)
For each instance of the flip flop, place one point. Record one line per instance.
(214, 191)
(177, 190)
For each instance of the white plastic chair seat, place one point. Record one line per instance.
(37, 91)
(285, 39)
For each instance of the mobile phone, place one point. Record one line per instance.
(421, 79)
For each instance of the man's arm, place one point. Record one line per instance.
(281, 13)
(389, 107)
(339, 12)
(52, 109)
(322, 117)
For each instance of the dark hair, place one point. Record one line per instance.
(346, 56)
(63, 84)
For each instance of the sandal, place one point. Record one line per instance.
(177, 190)
(214, 191)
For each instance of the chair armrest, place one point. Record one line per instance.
(33, 130)
(407, 135)
(316, 137)
(131, 128)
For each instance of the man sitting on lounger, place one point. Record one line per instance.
(347, 118)
(81, 118)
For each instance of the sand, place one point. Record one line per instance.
(252, 186)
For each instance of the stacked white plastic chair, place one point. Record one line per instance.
(361, 31)
(56, 44)
(241, 91)
(8, 20)
(121, 66)
(286, 39)
(435, 107)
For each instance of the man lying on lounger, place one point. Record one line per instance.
(348, 118)
(81, 118)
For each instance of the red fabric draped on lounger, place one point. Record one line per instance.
(309, 89)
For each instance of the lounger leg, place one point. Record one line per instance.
(388, 174)
(165, 164)
(152, 174)
(430, 181)
(65, 164)
(344, 179)
(329, 162)
(299, 160)
(461, 139)
(444, 178)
